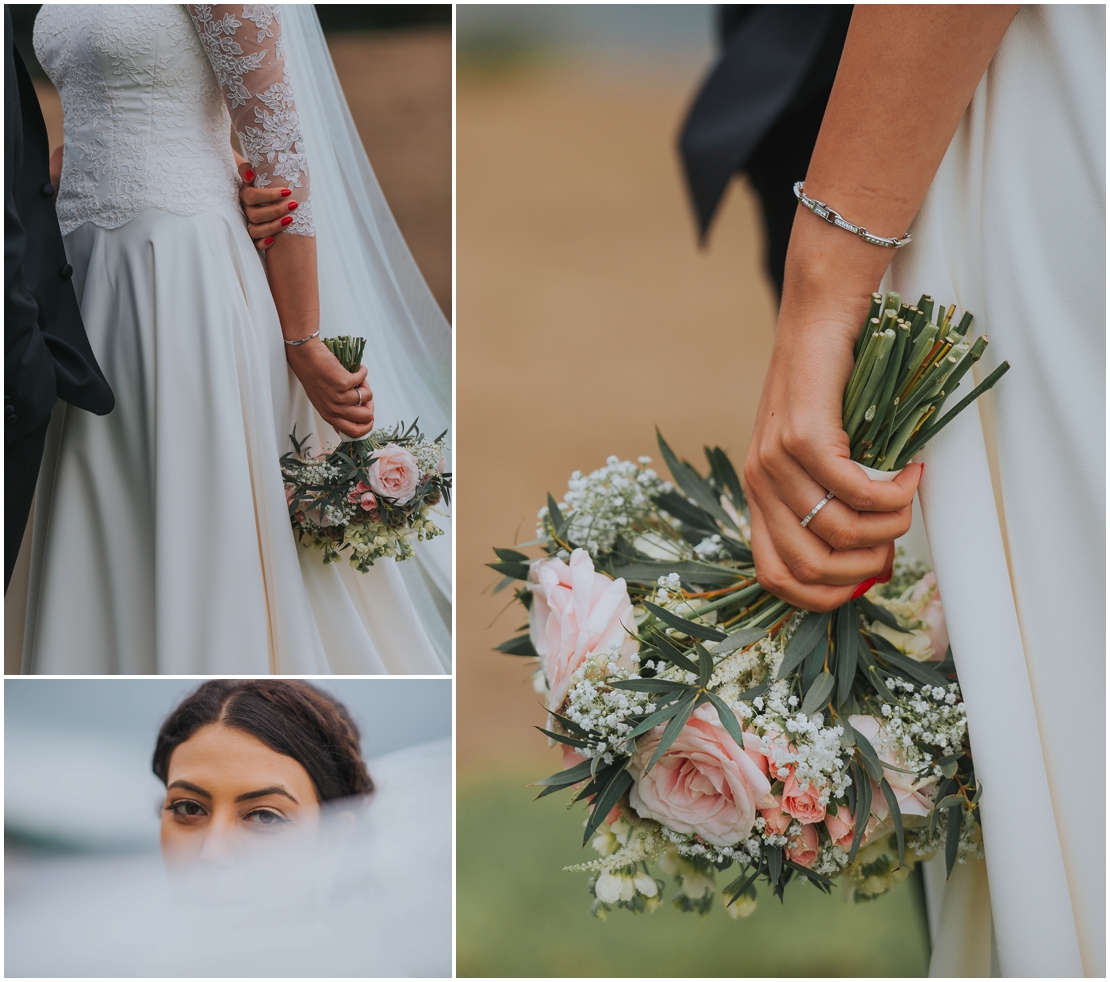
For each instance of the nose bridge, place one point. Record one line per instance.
(219, 845)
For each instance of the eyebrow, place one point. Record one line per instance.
(275, 789)
(189, 786)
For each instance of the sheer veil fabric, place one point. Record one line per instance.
(1013, 495)
(161, 541)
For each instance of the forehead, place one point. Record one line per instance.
(223, 759)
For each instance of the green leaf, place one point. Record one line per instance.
(873, 675)
(648, 573)
(693, 484)
(774, 863)
(950, 801)
(554, 514)
(873, 612)
(518, 571)
(818, 695)
(756, 690)
(564, 779)
(674, 727)
(809, 634)
(896, 814)
(846, 655)
(728, 718)
(739, 639)
(504, 582)
(618, 784)
(914, 669)
(563, 738)
(951, 843)
(700, 631)
(671, 652)
(689, 514)
(867, 756)
(863, 807)
(705, 665)
(655, 719)
(816, 878)
(651, 685)
(726, 475)
(949, 765)
(511, 555)
(739, 886)
(521, 645)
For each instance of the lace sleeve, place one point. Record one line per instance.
(244, 44)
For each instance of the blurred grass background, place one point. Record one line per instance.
(587, 315)
(519, 914)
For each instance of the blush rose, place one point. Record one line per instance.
(394, 473)
(576, 612)
(802, 849)
(802, 804)
(703, 783)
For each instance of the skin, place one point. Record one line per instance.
(214, 830)
(343, 399)
(880, 145)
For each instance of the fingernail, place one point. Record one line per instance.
(268, 241)
(285, 192)
(287, 220)
(885, 578)
(292, 206)
(248, 175)
(865, 586)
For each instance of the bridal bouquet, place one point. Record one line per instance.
(711, 726)
(371, 497)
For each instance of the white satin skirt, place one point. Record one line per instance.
(161, 540)
(1014, 495)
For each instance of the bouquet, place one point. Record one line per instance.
(710, 726)
(369, 497)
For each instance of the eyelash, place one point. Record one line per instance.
(178, 812)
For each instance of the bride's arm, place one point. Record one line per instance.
(906, 76)
(244, 46)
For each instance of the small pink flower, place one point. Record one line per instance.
(368, 501)
(802, 849)
(803, 805)
(441, 466)
(356, 493)
(841, 826)
(933, 615)
(777, 820)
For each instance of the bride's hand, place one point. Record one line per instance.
(343, 399)
(268, 210)
(799, 451)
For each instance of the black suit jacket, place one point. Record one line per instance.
(46, 351)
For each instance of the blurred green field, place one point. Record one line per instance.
(519, 914)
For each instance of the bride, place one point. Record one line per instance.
(161, 540)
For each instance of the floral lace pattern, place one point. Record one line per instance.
(244, 46)
(145, 123)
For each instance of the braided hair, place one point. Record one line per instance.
(292, 718)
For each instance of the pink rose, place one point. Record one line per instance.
(841, 826)
(803, 805)
(394, 473)
(441, 464)
(802, 849)
(914, 797)
(777, 820)
(704, 783)
(576, 612)
(933, 615)
(368, 502)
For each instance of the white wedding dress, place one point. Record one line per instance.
(1013, 495)
(161, 540)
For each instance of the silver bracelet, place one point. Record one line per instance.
(294, 344)
(822, 210)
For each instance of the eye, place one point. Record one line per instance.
(186, 808)
(266, 817)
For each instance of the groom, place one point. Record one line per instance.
(46, 352)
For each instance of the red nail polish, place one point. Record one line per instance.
(287, 220)
(285, 192)
(865, 586)
(248, 175)
(268, 241)
(292, 206)
(885, 578)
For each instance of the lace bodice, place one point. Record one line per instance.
(150, 92)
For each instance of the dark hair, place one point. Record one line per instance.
(291, 717)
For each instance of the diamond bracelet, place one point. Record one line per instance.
(822, 210)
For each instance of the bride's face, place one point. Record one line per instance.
(230, 797)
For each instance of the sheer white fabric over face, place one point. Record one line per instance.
(245, 46)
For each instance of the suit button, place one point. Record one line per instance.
(48, 189)
(66, 271)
